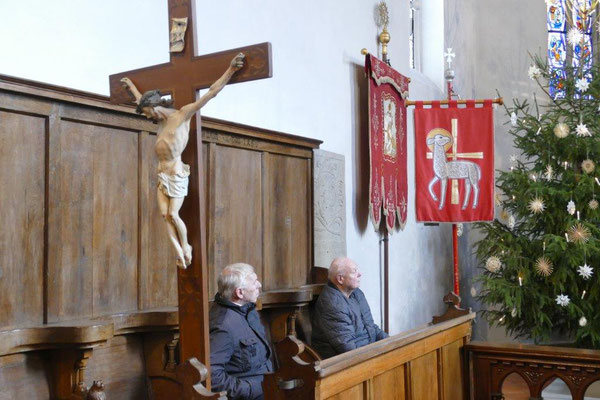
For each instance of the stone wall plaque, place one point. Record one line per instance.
(329, 207)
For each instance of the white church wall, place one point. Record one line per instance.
(491, 40)
(318, 90)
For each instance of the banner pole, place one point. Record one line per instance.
(452, 299)
(409, 103)
(449, 78)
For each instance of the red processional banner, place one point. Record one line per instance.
(454, 162)
(388, 189)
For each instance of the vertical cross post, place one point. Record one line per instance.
(182, 77)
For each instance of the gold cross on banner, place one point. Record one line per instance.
(454, 155)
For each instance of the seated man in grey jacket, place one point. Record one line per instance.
(239, 350)
(342, 320)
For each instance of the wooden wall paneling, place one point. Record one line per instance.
(207, 204)
(16, 102)
(70, 230)
(452, 363)
(22, 198)
(408, 381)
(286, 257)
(261, 143)
(160, 368)
(115, 220)
(108, 119)
(145, 287)
(354, 393)
(120, 365)
(158, 280)
(424, 378)
(390, 385)
(52, 220)
(266, 218)
(24, 376)
(440, 373)
(309, 221)
(235, 210)
(208, 158)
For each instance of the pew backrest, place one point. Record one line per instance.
(423, 363)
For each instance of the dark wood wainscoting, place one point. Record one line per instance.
(87, 275)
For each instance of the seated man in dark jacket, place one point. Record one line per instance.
(342, 320)
(239, 351)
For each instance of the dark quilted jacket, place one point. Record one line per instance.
(341, 323)
(239, 351)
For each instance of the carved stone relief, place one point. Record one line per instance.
(329, 207)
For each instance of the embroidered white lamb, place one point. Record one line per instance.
(460, 169)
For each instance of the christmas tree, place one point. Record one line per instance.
(541, 254)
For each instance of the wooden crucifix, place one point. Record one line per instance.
(182, 77)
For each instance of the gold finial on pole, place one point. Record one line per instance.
(364, 51)
(384, 36)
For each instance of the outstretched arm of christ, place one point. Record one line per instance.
(236, 64)
(134, 91)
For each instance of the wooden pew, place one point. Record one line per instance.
(423, 363)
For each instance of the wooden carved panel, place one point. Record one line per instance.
(120, 365)
(390, 385)
(452, 368)
(70, 233)
(93, 236)
(235, 221)
(354, 393)
(115, 220)
(287, 253)
(22, 166)
(158, 275)
(24, 376)
(424, 377)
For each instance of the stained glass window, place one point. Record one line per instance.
(557, 50)
(582, 51)
(570, 33)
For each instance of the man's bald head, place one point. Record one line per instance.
(344, 273)
(339, 266)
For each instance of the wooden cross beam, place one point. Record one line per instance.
(186, 73)
(182, 77)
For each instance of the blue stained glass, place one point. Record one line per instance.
(556, 84)
(582, 59)
(579, 23)
(583, 53)
(556, 15)
(557, 52)
(557, 46)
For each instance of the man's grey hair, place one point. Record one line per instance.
(339, 266)
(232, 277)
(152, 98)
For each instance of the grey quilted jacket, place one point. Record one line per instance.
(341, 323)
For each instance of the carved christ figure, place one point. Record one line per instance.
(172, 137)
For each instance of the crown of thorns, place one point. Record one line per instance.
(152, 98)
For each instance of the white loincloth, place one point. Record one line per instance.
(174, 185)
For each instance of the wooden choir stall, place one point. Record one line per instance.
(87, 274)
